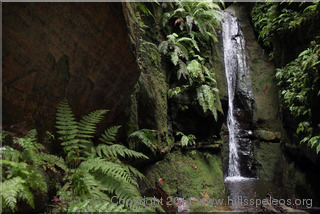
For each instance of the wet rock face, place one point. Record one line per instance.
(78, 50)
(246, 158)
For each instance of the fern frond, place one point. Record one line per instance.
(109, 135)
(18, 168)
(88, 123)
(135, 172)
(208, 100)
(165, 18)
(14, 189)
(124, 190)
(36, 179)
(83, 183)
(67, 126)
(54, 160)
(163, 47)
(118, 150)
(108, 168)
(144, 137)
(189, 20)
(95, 205)
(182, 70)
(182, 50)
(32, 135)
(10, 154)
(31, 148)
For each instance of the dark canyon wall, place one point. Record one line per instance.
(81, 51)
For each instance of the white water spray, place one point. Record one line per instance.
(237, 72)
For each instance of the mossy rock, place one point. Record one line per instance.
(271, 160)
(187, 175)
(266, 135)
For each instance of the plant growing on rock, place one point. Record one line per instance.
(198, 22)
(94, 173)
(23, 167)
(187, 140)
(197, 19)
(300, 91)
(270, 21)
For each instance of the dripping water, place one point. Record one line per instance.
(238, 78)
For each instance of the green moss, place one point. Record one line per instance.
(271, 158)
(188, 175)
(219, 72)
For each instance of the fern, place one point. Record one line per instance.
(13, 190)
(118, 150)
(53, 161)
(187, 140)
(87, 126)
(22, 173)
(182, 70)
(109, 135)
(67, 128)
(95, 205)
(75, 135)
(108, 168)
(299, 81)
(202, 16)
(123, 190)
(209, 100)
(100, 173)
(178, 47)
(144, 137)
(198, 22)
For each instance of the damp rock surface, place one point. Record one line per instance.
(81, 51)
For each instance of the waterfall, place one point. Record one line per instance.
(239, 82)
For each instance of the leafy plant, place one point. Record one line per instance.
(174, 91)
(197, 22)
(208, 98)
(270, 21)
(176, 48)
(75, 136)
(21, 171)
(143, 136)
(198, 19)
(94, 172)
(299, 82)
(187, 140)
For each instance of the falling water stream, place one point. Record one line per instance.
(240, 186)
(237, 72)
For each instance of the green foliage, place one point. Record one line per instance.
(16, 189)
(187, 140)
(75, 136)
(190, 47)
(174, 91)
(92, 205)
(300, 90)
(198, 19)
(271, 21)
(177, 48)
(99, 172)
(208, 98)
(144, 137)
(150, 49)
(22, 172)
